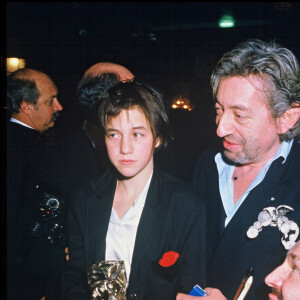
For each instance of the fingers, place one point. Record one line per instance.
(67, 255)
(214, 294)
(185, 297)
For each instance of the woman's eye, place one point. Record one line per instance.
(137, 134)
(112, 135)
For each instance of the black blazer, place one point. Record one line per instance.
(29, 256)
(173, 219)
(231, 253)
(26, 155)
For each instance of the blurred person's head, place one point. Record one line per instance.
(32, 99)
(285, 280)
(95, 82)
(108, 67)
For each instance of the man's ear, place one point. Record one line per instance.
(288, 119)
(26, 107)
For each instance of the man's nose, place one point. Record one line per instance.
(224, 125)
(57, 105)
(275, 278)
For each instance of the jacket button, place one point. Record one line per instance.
(133, 297)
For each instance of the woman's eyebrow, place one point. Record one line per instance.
(140, 127)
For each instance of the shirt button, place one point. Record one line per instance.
(133, 297)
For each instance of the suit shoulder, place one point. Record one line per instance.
(296, 149)
(293, 158)
(172, 181)
(175, 186)
(206, 157)
(93, 187)
(20, 135)
(204, 163)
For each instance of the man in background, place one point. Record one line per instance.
(33, 107)
(82, 154)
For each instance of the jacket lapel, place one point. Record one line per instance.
(149, 218)
(234, 235)
(99, 215)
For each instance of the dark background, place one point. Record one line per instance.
(172, 46)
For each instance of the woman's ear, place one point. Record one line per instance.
(288, 119)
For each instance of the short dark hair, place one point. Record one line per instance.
(277, 67)
(128, 95)
(20, 88)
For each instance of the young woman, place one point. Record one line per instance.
(134, 212)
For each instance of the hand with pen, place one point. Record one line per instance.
(215, 294)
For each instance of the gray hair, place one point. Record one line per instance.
(278, 69)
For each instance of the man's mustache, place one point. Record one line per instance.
(277, 293)
(55, 116)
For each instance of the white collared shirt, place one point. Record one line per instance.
(121, 233)
(19, 122)
(226, 185)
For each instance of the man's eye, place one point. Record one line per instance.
(295, 268)
(239, 117)
(218, 110)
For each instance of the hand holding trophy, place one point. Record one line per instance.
(107, 280)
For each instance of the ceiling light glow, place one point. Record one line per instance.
(227, 21)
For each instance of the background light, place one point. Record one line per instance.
(14, 63)
(227, 20)
(181, 102)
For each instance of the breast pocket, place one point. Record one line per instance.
(168, 265)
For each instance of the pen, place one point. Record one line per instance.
(244, 286)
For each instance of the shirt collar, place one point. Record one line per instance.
(19, 122)
(284, 150)
(140, 200)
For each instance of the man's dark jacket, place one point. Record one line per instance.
(173, 219)
(33, 264)
(231, 252)
(26, 169)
